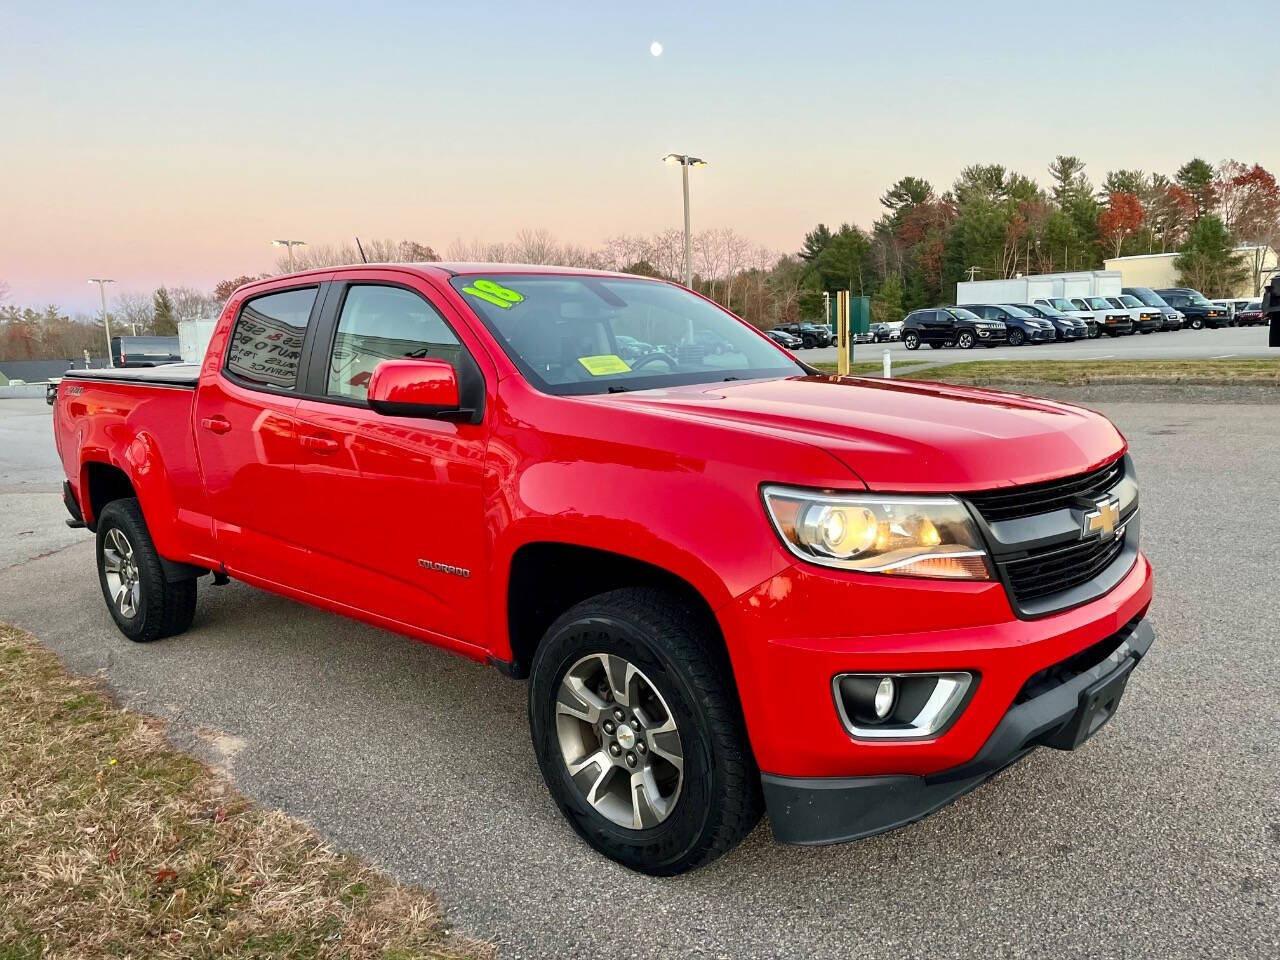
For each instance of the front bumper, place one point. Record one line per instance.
(833, 810)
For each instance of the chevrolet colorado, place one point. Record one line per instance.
(736, 585)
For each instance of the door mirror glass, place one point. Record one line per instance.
(414, 388)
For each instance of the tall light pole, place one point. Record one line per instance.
(290, 244)
(686, 162)
(106, 325)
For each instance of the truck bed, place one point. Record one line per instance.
(168, 375)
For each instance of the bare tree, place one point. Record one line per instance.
(136, 311)
(4, 291)
(192, 304)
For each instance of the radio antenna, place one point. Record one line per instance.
(361, 249)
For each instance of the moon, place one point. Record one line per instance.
(655, 48)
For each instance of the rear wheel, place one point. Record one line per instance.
(143, 603)
(639, 735)
(911, 340)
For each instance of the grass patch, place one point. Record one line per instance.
(1228, 372)
(113, 844)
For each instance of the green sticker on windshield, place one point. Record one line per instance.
(604, 365)
(494, 293)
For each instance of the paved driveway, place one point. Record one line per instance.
(1160, 838)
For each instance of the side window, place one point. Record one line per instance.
(266, 342)
(384, 323)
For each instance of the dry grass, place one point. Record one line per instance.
(1229, 372)
(112, 844)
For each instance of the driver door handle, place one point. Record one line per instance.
(216, 424)
(318, 444)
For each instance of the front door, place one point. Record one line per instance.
(246, 435)
(395, 504)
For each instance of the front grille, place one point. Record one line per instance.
(1056, 569)
(1034, 498)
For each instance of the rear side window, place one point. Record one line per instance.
(266, 343)
(384, 323)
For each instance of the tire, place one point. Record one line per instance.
(143, 603)
(808, 343)
(966, 340)
(1197, 324)
(682, 677)
(911, 340)
(1095, 332)
(1016, 337)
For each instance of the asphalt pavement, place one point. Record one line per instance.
(1174, 345)
(1159, 838)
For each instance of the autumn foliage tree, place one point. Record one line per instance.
(1119, 220)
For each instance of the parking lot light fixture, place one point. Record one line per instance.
(106, 325)
(686, 162)
(290, 244)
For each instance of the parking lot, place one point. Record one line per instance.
(1175, 345)
(1159, 838)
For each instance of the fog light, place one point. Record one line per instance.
(885, 694)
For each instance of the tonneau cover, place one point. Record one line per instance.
(168, 375)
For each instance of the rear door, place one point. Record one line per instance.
(246, 435)
(395, 505)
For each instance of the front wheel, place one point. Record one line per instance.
(1016, 337)
(911, 341)
(965, 341)
(143, 603)
(638, 732)
(1197, 324)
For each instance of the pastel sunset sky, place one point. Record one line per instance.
(169, 142)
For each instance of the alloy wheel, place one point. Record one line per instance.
(121, 569)
(619, 742)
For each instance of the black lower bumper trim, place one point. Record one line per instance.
(817, 810)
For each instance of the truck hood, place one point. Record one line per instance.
(904, 435)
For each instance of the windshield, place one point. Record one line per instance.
(962, 314)
(1099, 303)
(1148, 298)
(1040, 310)
(1015, 311)
(1062, 304)
(581, 334)
(1129, 301)
(1198, 299)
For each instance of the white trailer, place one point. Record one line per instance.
(193, 339)
(1043, 286)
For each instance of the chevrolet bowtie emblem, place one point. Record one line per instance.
(1101, 520)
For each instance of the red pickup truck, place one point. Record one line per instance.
(734, 583)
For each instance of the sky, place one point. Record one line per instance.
(168, 143)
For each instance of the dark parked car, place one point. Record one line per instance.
(782, 338)
(1195, 306)
(1251, 315)
(1065, 326)
(886, 332)
(946, 326)
(1022, 327)
(144, 351)
(810, 334)
(1149, 298)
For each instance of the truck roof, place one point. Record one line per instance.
(445, 269)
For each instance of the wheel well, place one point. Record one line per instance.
(549, 578)
(106, 483)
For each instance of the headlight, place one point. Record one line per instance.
(900, 535)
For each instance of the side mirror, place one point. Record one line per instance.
(415, 388)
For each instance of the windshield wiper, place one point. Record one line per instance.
(618, 389)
